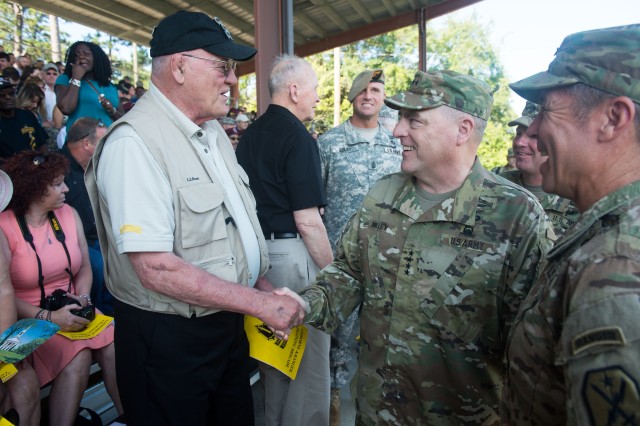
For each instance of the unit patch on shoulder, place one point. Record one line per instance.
(611, 397)
(603, 336)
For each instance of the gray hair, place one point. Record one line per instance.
(586, 98)
(286, 69)
(158, 63)
(479, 125)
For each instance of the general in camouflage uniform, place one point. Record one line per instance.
(353, 156)
(439, 281)
(561, 211)
(574, 352)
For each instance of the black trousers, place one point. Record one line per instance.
(180, 371)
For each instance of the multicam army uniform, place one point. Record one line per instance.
(350, 166)
(574, 360)
(574, 355)
(561, 211)
(439, 290)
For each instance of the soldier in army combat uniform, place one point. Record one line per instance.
(440, 257)
(574, 351)
(562, 212)
(353, 156)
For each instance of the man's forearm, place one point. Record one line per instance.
(314, 236)
(168, 274)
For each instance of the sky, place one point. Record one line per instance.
(526, 33)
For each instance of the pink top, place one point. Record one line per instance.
(56, 353)
(24, 266)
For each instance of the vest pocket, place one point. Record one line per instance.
(201, 214)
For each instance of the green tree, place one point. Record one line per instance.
(462, 46)
(32, 31)
(395, 52)
(465, 46)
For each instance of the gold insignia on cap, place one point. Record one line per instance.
(226, 31)
(611, 396)
(376, 75)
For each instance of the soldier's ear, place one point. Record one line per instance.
(466, 126)
(618, 116)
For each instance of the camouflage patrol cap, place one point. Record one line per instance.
(362, 80)
(528, 115)
(607, 59)
(459, 91)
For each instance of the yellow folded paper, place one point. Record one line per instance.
(283, 355)
(95, 327)
(7, 371)
(5, 422)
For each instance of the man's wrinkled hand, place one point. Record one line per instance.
(282, 313)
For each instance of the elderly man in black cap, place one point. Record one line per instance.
(183, 250)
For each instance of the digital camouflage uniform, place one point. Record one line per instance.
(350, 166)
(439, 290)
(574, 352)
(561, 212)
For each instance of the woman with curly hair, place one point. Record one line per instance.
(85, 88)
(39, 263)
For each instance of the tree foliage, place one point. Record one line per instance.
(35, 37)
(32, 30)
(459, 45)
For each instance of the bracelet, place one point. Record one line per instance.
(39, 314)
(49, 316)
(75, 82)
(86, 297)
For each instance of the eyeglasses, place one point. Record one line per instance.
(229, 64)
(39, 159)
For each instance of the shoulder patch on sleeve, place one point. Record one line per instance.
(611, 396)
(598, 337)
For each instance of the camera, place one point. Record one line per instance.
(59, 298)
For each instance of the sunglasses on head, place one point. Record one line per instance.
(39, 159)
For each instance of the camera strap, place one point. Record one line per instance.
(57, 230)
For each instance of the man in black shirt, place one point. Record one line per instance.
(19, 129)
(79, 147)
(283, 164)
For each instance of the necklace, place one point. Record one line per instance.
(33, 224)
(48, 237)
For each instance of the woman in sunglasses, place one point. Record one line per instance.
(48, 252)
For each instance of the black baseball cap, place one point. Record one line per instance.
(184, 31)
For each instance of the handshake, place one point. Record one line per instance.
(290, 311)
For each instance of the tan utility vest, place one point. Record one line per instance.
(203, 236)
